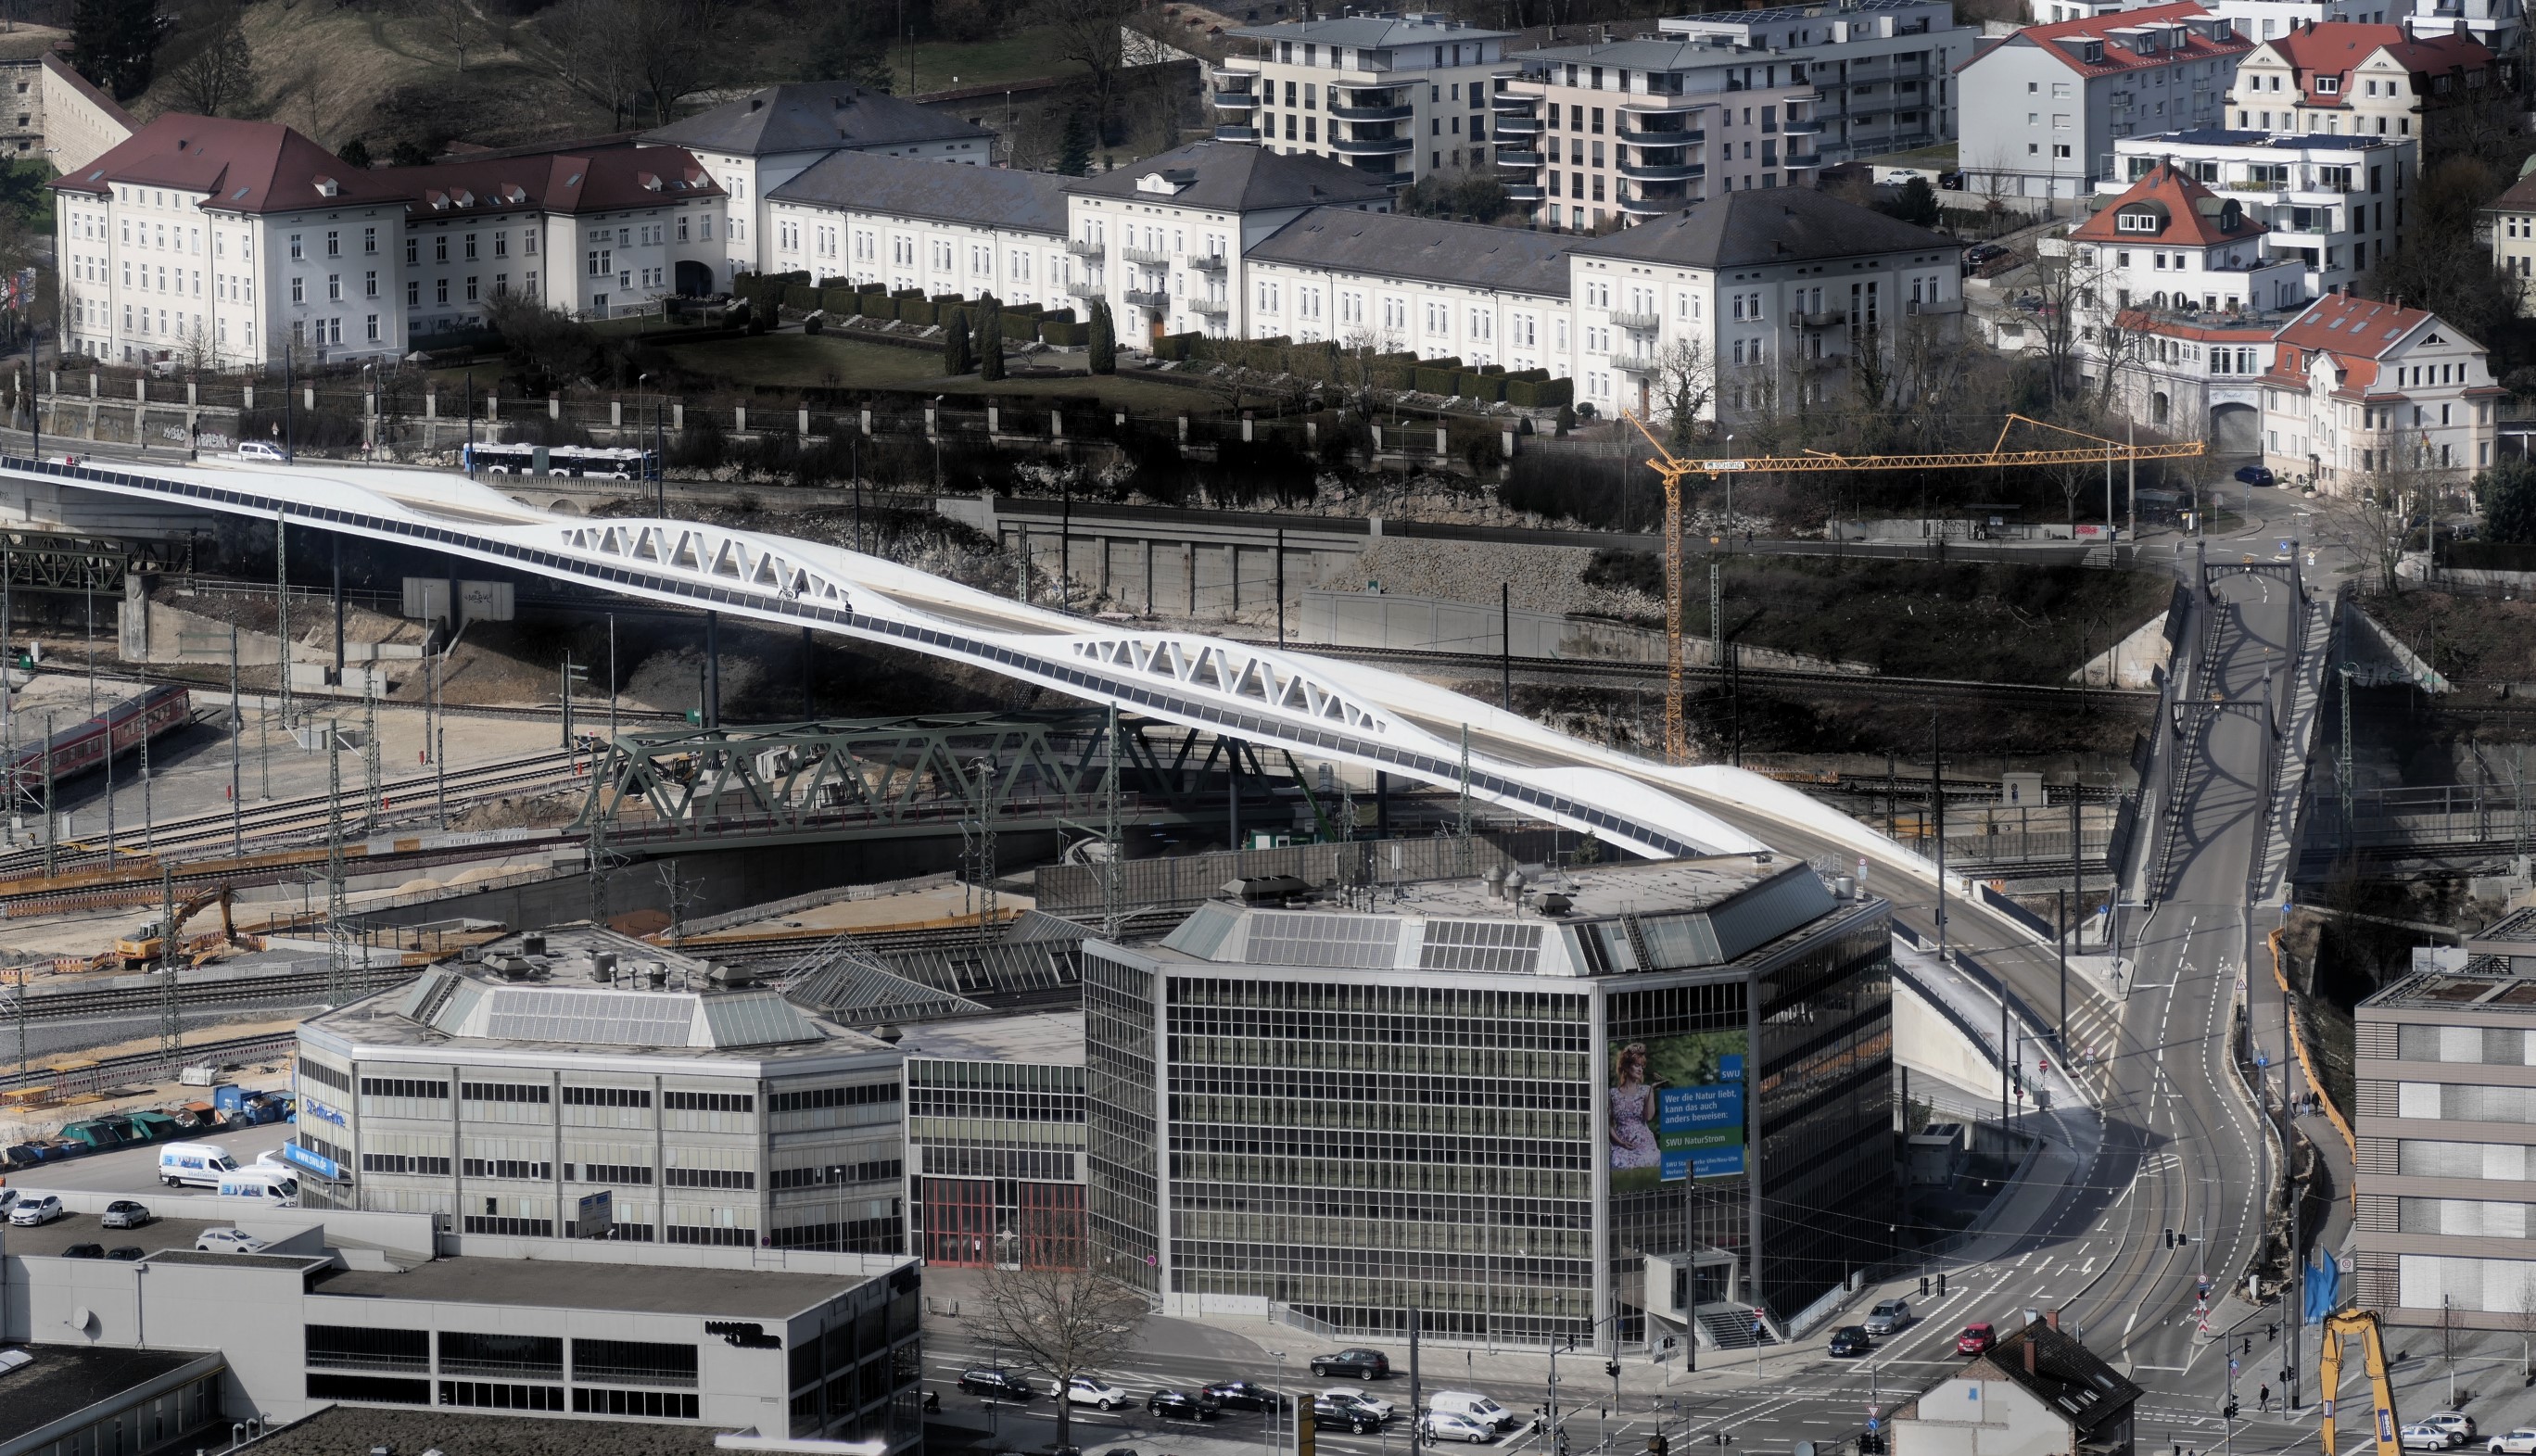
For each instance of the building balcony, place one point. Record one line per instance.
(1799, 97)
(1373, 113)
(1800, 163)
(1508, 157)
(1640, 136)
(1237, 134)
(1933, 305)
(1636, 322)
(1372, 145)
(1235, 100)
(1206, 262)
(1157, 301)
(1652, 206)
(1516, 102)
(1242, 71)
(1669, 171)
(1523, 193)
(1214, 308)
(1661, 105)
(1081, 248)
(1635, 363)
(1150, 257)
(1087, 292)
(1517, 126)
(1821, 318)
(1808, 127)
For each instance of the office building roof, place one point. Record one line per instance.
(1397, 245)
(994, 197)
(1599, 919)
(1045, 1038)
(2183, 212)
(645, 1287)
(353, 1430)
(1374, 30)
(40, 1384)
(1784, 14)
(1786, 224)
(816, 116)
(1236, 177)
(2220, 136)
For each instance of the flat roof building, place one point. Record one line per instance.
(576, 1067)
(1494, 1102)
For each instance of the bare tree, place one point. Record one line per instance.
(1687, 382)
(622, 55)
(1360, 347)
(1062, 1323)
(456, 23)
(1091, 34)
(323, 102)
(218, 76)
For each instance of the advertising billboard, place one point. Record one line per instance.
(1676, 1108)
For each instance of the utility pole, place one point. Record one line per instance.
(1506, 645)
(1465, 862)
(52, 822)
(171, 1028)
(2062, 947)
(1937, 821)
(338, 930)
(371, 751)
(1114, 868)
(980, 832)
(281, 606)
(237, 749)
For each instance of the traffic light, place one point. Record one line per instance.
(1924, 1285)
(1612, 1367)
(2250, 1345)
(2170, 1238)
(2229, 1410)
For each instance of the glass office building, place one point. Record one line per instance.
(1492, 1102)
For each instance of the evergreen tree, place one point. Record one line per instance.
(955, 343)
(1074, 147)
(1104, 339)
(113, 43)
(990, 337)
(1916, 204)
(2507, 494)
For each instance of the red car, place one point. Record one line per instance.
(1977, 1339)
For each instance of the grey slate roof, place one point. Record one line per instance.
(818, 117)
(1781, 225)
(1424, 248)
(1028, 202)
(1370, 31)
(1236, 176)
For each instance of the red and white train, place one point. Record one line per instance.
(72, 750)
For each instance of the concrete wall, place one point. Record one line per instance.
(81, 123)
(1927, 1042)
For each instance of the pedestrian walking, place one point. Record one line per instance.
(2263, 1399)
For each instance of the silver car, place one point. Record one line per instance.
(1888, 1317)
(123, 1213)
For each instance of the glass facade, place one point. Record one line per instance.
(1122, 1201)
(998, 1151)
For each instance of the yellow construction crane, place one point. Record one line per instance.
(2328, 1376)
(1672, 469)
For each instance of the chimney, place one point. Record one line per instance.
(2029, 1355)
(2051, 1316)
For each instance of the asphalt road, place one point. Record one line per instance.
(136, 1170)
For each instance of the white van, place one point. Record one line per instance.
(275, 1189)
(198, 1164)
(1471, 1406)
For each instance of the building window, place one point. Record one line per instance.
(298, 292)
(370, 284)
(470, 247)
(373, 331)
(440, 291)
(410, 245)
(369, 240)
(414, 293)
(297, 252)
(602, 262)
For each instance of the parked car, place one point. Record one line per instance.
(2457, 1424)
(1383, 1409)
(85, 1251)
(2421, 1437)
(1354, 1364)
(1889, 1317)
(1444, 1426)
(1976, 1339)
(258, 450)
(1179, 1405)
(1850, 1341)
(228, 1241)
(998, 1384)
(123, 1213)
(2255, 474)
(1239, 1395)
(1086, 1390)
(1981, 253)
(127, 1252)
(31, 1212)
(1471, 1406)
(2518, 1443)
(1346, 1414)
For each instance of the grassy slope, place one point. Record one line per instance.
(943, 65)
(2469, 638)
(807, 360)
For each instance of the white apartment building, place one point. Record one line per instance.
(2254, 20)
(2332, 203)
(2359, 390)
(970, 232)
(1778, 288)
(214, 242)
(1885, 68)
(2042, 108)
(756, 143)
(2512, 221)
(2500, 25)
(1395, 97)
(2358, 81)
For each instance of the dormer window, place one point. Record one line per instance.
(329, 187)
(2140, 219)
(2328, 86)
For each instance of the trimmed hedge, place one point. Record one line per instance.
(1064, 331)
(877, 306)
(1175, 345)
(801, 296)
(1540, 394)
(1021, 326)
(918, 311)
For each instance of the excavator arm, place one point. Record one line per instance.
(2363, 1325)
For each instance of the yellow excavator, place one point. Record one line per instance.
(148, 945)
(2362, 1324)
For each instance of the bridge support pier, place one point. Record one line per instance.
(711, 708)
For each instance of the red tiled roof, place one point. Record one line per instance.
(2136, 322)
(2195, 214)
(583, 179)
(2117, 59)
(2357, 332)
(2335, 47)
(246, 166)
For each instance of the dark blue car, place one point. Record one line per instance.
(2255, 474)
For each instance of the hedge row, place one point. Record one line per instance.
(841, 298)
(1329, 362)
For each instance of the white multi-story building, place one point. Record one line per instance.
(2512, 218)
(2254, 20)
(2358, 81)
(756, 143)
(944, 230)
(1395, 97)
(1484, 295)
(2042, 108)
(213, 243)
(2359, 390)
(1885, 68)
(2330, 202)
(2501, 26)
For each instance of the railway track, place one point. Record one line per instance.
(296, 986)
(153, 1065)
(216, 686)
(283, 817)
(1837, 683)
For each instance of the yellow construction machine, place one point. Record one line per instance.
(148, 945)
(2362, 1323)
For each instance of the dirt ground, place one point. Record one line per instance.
(2472, 641)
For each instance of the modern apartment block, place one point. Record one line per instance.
(1495, 1103)
(2500, 25)
(1885, 68)
(2359, 80)
(2043, 107)
(2333, 203)
(504, 1095)
(1633, 129)
(2445, 1199)
(1396, 96)
(2360, 389)
(2254, 20)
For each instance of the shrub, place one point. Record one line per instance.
(1064, 331)
(1104, 340)
(1540, 394)
(988, 338)
(878, 306)
(815, 324)
(1427, 379)
(917, 311)
(956, 358)
(801, 296)
(1021, 325)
